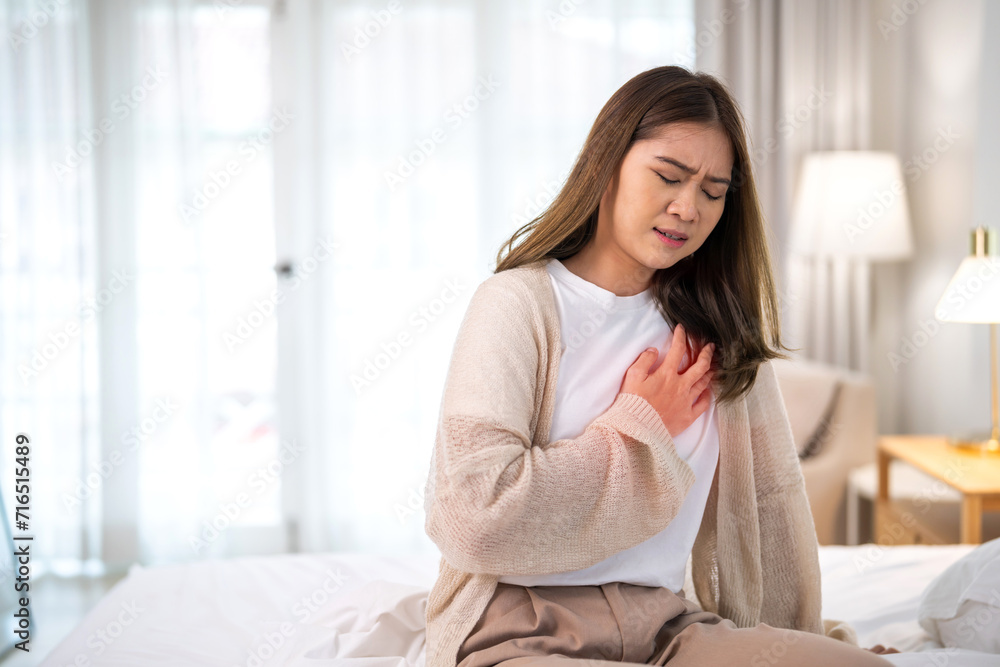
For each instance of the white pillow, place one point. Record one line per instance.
(961, 607)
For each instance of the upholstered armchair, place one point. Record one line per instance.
(833, 418)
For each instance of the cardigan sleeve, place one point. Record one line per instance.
(789, 549)
(498, 504)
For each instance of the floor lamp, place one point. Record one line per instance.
(850, 210)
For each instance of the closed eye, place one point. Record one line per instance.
(668, 181)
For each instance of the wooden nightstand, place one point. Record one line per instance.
(976, 476)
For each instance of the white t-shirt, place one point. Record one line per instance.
(602, 334)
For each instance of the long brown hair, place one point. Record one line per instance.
(726, 295)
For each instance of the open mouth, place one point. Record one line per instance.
(670, 239)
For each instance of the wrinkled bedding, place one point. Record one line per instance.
(368, 610)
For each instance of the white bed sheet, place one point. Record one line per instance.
(877, 590)
(366, 610)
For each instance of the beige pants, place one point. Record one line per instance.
(570, 626)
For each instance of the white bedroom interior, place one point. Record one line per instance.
(237, 238)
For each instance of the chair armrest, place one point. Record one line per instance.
(847, 441)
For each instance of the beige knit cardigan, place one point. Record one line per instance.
(501, 499)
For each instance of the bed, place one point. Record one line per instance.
(368, 610)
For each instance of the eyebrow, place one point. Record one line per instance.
(679, 165)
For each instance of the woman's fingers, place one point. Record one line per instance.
(700, 367)
(705, 356)
(702, 382)
(678, 344)
(878, 648)
(702, 403)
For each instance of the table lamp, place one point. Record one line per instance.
(973, 295)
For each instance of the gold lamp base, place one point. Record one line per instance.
(980, 443)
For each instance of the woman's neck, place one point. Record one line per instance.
(609, 274)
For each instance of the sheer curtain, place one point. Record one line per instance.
(128, 265)
(49, 316)
(376, 154)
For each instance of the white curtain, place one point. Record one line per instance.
(119, 119)
(48, 338)
(189, 401)
(802, 72)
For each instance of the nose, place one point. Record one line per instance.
(683, 205)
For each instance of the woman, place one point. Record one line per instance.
(572, 476)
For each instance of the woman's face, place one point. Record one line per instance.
(675, 182)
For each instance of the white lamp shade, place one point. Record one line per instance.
(851, 204)
(973, 295)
